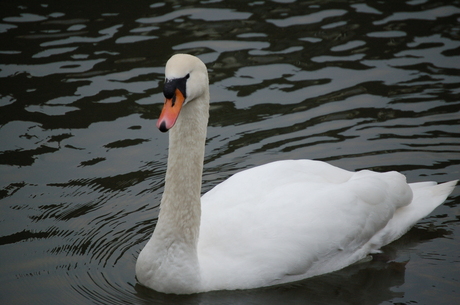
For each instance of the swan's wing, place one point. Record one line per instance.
(426, 197)
(289, 220)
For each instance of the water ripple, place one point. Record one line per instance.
(362, 85)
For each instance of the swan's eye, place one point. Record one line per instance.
(170, 86)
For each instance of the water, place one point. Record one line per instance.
(360, 85)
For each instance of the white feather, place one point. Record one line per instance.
(272, 224)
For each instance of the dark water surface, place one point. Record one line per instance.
(372, 84)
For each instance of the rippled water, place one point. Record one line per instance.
(372, 84)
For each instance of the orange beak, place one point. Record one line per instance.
(170, 112)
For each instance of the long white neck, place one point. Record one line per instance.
(169, 261)
(180, 206)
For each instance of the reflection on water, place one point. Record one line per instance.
(363, 85)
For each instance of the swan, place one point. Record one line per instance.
(272, 224)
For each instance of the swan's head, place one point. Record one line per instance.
(186, 78)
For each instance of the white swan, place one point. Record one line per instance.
(272, 224)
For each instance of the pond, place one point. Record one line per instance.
(359, 84)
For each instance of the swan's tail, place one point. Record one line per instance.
(426, 197)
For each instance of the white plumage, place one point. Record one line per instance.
(272, 224)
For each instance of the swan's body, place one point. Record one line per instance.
(276, 223)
